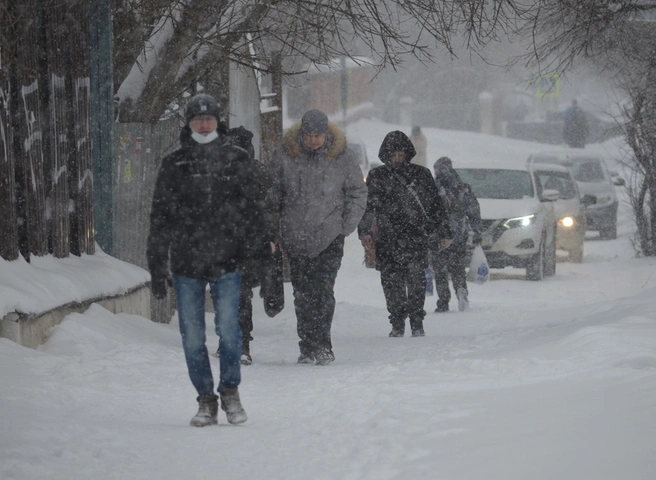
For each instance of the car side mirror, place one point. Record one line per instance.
(618, 181)
(550, 195)
(587, 200)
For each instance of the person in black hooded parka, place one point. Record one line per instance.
(403, 209)
(207, 220)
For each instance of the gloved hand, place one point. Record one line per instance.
(477, 239)
(158, 285)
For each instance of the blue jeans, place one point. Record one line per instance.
(190, 299)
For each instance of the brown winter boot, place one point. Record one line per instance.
(208, 408)
(231, 404)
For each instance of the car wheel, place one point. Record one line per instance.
(550, 260)
(535, 267)
(576, 254)
(609, 233)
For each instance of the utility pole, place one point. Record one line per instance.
(102, 120)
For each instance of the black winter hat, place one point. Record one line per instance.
(443, 162)
(314, 121)
(396, 141)
(202, 104)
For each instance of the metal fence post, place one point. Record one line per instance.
(102, 120)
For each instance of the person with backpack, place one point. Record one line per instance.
(251, 271)
(207, 220)
(403, 210)
(464, 215)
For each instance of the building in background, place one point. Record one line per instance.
(344, 90)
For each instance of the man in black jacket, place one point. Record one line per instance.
(403, 209)
(207, 219)
(251, 270)
(464, 216)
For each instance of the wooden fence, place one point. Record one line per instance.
(45, 137)
(139, 149)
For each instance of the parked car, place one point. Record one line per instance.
(519, 226)
(593, 178)
(569, 209)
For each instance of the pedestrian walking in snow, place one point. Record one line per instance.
(405, 206)
(575, 126)
(464, 216)
(318, 195)
(207, 219)
(251, 271)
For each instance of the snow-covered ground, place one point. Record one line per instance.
(540, 380)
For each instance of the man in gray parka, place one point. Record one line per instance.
(319, 196)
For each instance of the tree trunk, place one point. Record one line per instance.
(651, 224)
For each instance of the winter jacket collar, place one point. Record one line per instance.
(334, 146)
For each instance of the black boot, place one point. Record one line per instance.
(442, 306)
(246, 358)
(418, 329)
(398, 328)
(231, 404)
(208, 408)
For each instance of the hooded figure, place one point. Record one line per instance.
(575, 126)
(318, 196)
(464, 216)
(207, 220)
(403, 209)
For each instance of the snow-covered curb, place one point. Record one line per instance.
(48, 282)
(36, 296)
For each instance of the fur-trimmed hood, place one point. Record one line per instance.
(335, 141)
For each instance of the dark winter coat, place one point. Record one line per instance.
(315, 195)
(207, 212)
(462, 205)
(402, 228)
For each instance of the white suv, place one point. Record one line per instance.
(569, 209)
(519, 226)
(593, 178)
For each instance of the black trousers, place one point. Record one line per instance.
(249, 281)
(404, 286)
(313, 282)
(246, 313)
(450, 261)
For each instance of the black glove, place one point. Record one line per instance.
(158, 285)
(477, 239)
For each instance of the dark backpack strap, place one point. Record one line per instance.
(412, 191)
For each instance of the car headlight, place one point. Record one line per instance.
(567, 222)
(519, 222)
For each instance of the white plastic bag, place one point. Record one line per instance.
(479, 271)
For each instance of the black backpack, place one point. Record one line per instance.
(238, 136)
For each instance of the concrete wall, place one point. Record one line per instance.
(32, 330)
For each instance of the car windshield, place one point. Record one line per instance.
(587, 170)
(497, 184)
(560, 181)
